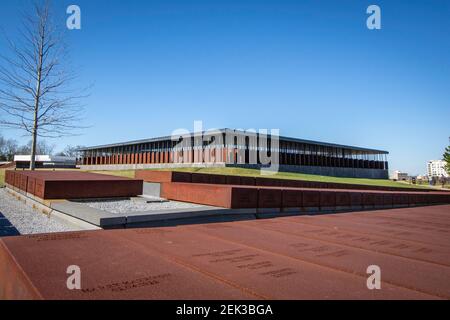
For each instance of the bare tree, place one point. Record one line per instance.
(72, 151)
(42, 148)
(36, 93)
(8, 147)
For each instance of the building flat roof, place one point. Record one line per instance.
(283, 138)
(44, 158)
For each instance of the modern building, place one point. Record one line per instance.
(227, 147)
(436, 168)
(399, 176)
(45, 161)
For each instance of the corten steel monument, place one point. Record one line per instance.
(226, 147)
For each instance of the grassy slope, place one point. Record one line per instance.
(280, 175)
(120, 173)
(254, 173)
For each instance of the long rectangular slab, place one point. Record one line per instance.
(176, 176)
(420, 275)
(286, 258)
(235, 197)
(162, 176)
(35, 267)
(108, 220)
(72, 184)
(94, 216)
(232, 196)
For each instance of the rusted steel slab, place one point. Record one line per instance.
(235, 197)
(437, 215)
(232, 196)
(9, 177)
(174, 176)
(266, 274)
(284, 258)
(111, 268)
(421, 276)
(162, 176)
(385, 240)
(384, 230)
(424, 228)
(74, 184)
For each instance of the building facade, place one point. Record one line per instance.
(228, 147)
(400, 176)
(436, 168)
(45, 161)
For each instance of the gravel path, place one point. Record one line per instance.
(26, 219)
(137, 205)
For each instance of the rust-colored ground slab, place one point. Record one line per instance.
(301, 257)
(71, 184)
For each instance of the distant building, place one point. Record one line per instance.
(231, 148)
(399, 176)
(436, 168)
(422, 177)
(45, 161)
(6, 164)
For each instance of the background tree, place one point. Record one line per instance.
(8, 148)
(42, 148)
(36, 93)
(71, 151)
(446, 158)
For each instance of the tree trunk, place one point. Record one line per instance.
(35, 129)
(36, 104)
(33, 145)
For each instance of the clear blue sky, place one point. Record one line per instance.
(310, 68)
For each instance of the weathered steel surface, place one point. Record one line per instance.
(162, 176)
(291, 199)
(269, 198)
(214, 195)
(247, 181)
(74, 184)
(396, 270)
(201, 178)
(284, 197)
(307, 257)
(9, 177)
(174, 176)
(111, 268)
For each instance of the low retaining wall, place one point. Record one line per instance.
(282, 198)
(326, 171)
(174, 176)
(72, 184)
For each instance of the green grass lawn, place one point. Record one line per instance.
(120, 173)
(2, 177)
(298, 176)
(255, 173)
